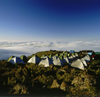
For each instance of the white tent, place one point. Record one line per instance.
(54, 57)
(35, 59)
(58, 62)
(87, 58)
(70, 58)
(45, 57)
(78, 64)
(73, 56)
(45, 62)
(17, 60)
(65, 60)
(83, 61)
(76, 54)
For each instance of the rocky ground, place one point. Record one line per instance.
(31, 79)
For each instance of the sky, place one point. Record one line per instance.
(66, 24)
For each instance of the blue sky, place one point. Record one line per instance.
(49, 20)
(30, 26)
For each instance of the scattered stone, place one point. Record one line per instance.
(61, 70)
(20, 89)
(63, 86)
(83, 81)
(55, 84)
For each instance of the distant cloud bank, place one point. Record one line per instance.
(27, 48)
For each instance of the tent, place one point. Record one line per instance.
(17, 60)
(57, 62)
(10, 58)
(87, 58)
(64, 55)
(35, 59)
(70, 58)
(78, 64)
(90, 53)
(72, 51)
(24, 58)
(73, 56)
(61, 57)
(61, 54)
(83, 61)
(97, 53)
(50, 56)
(64, 52)
(65, 60)
(76, 54)
(57, 55)
(68, 54)
(54, 57)
(42, 56)
(46, 62)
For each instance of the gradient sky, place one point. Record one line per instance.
(48, 20)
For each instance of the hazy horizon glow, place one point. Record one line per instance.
(28, 48)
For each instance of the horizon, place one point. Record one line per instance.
(56, 24)
(28, 48)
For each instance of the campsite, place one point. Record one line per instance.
(52, 73)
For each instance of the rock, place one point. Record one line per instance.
(17, 87)
(20, 89)
(77, 80)
(83, 81)
(63, 86)
(55, 84)
(51, 66)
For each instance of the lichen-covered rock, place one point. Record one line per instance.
(63, 86)
(20, 89)
(83, 81)
(55, 84)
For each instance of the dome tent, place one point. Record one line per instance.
(72, 51)
(35, 59)
(61, 57)
(57, 55)
(65, 55)
(58, 62)
(87, 58)
(43, 56)
(46, 62)
(24, 58)
(61, 54)
(70, 58)
(76, 54)
(83, 61)
(50, 56)
(78, 64)
(65, 60)
(10, 58)
(17, 60)
(54, 57)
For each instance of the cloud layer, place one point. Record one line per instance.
(27, 48)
